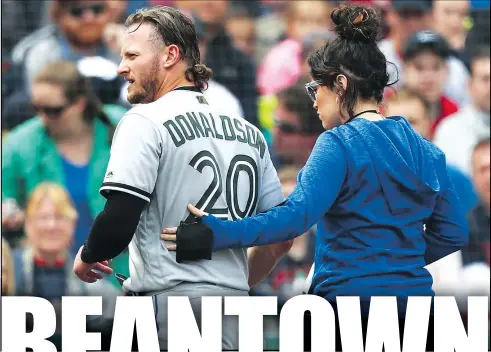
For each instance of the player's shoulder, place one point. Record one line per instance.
(258, 133)
(143, 111)
(246, 123)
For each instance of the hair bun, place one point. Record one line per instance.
(356, 23)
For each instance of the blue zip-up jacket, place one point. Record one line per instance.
(384, 207)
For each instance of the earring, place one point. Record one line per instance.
(337, 100)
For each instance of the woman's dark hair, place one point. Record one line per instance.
(354, 53)
(66, 75)
(173, 27)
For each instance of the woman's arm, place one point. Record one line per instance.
(318, 186)
(446, 231)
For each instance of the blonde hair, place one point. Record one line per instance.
(405, 94)
(55, 193)
(7, 259)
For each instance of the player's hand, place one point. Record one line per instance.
(87, 271)
(169, 234)
(12, 215)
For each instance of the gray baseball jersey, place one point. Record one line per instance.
(180, 150)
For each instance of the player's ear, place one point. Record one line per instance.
(172, 55)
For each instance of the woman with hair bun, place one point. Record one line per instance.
(379, 193)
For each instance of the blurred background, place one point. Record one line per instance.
(61, 100)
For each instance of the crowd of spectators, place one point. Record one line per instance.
(62, 99)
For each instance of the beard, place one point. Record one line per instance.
(145, 92)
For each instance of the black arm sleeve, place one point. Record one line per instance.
(113, 228)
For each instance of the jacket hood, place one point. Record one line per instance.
(408, 176)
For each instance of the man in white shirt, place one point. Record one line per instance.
(458, 133)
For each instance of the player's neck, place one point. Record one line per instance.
(170, 84)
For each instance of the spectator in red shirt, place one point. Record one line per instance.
(426, 71)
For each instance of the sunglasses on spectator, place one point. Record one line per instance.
(287, 127)
(51, 112)
(78, 11)
(311, 88)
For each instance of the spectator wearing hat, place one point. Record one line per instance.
(76, 32)
(68, 143)
(426, 70)
(457, 135)
(405, 18)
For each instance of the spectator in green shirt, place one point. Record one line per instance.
(68, 143)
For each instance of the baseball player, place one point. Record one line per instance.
(171, 149)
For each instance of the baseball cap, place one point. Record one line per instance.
(412, 5)
(426, 41)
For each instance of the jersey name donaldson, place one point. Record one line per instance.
(180, 150)
(188, 127)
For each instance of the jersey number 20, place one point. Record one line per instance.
(239, 163)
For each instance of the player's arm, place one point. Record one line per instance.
(113, 228)
(263, 259)
(130, 179)
(447, 230)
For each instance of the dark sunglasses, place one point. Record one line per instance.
(287, 127)
(51, 112)
(311, 88)
(78, 11)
